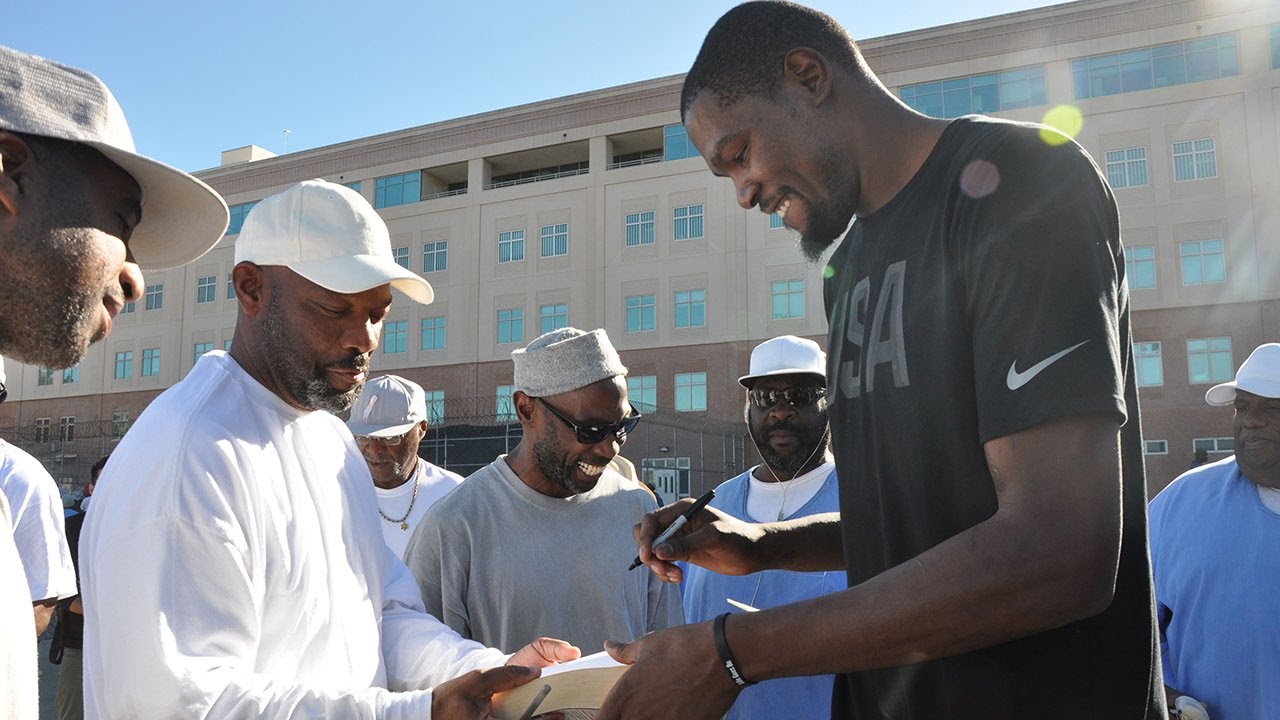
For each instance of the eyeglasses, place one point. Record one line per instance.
(592, 434)
(795, 397)
(366, 440)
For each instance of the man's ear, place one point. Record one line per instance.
(523, 405)
(808, 70)
(249, 281)
(16, 160)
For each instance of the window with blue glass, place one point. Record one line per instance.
(401, 256)
(435, 256)
(1209, 360)
(155, 296)
(691, 392)
(150, 362)
(552, 317)
(1195, 159)
(691, 308)
(511, 246)
(200, 349)
(44, 376)
(986, 93)
(786, 299)
(71, 375)
(1203, 262)
(555, 240)
(1155, 67)
(1148, 364)
(433, 333)
(641, 313)
(394, 190)
(504, 408)
(231, 287)
(1127, 167)
(206, 289)
(642, 391)
(687, 222)
(1140, 267)
(435, 406)
(511, 325)
(238, 213)
(395, 337)
(1275, 47)
(775, 221)
(355, 185)
(639, 228)
(675, 143)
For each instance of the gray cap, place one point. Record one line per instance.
(182, 218)
(388, 406)
(564, 360)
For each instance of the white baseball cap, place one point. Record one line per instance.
(182, 218)
(1259, 374)
(785, 355)
(330, 235)
(388, 406)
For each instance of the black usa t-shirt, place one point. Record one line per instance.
(986, 298)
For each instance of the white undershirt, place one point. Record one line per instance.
(766, 499)
(1270, 497)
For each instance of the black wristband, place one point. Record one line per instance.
(726, 655)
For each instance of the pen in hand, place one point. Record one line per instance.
(679, 523)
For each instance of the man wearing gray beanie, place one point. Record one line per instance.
(498, 557)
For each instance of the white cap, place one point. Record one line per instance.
(1260, 375)
(330, 235)
(388, 406)
(182, 218)
(785, 355)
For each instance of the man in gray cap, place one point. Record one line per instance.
(497, 558)
(232, 564)
(80, 210)
(1215, 532)
(389, 420)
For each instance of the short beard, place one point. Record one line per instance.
(309, 387)
(47, 309)
(546, 453)
(807, 449)
(826, 225)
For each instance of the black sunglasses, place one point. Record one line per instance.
(796, 397)
(592, 434)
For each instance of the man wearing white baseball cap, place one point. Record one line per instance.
(389, 420)
(233, 565)
(1215, 532)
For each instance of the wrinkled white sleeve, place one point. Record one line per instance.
(38, 526)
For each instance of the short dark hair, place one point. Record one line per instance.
(744, 51)
(96, 470)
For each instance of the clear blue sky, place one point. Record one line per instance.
(196, 77)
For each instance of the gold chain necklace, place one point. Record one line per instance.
(404, 521)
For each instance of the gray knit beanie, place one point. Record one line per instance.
(564, 360)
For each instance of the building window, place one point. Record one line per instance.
(775, 221)
(550, 172)
(67, 428)
(552, 317)
(231, 287)
(206, 289)
(435, 407)
(555, 240)
(675, 143)
(1158, 66)
(986, 93)
(124, 365)
(511, 246)
(1127, 167)
(119, 424)
(42, 430)
(1156, 447)
(691, 392)
(435, 256)
(150, 362)
(354, 185)
(642, 391)
(401, 256)
(1209, 360)
(200, 349)
(238, 214)
(1213, 445)
(155, 296)
(641, 313)
(128, 307)
(511, 325)
(1148, 364)
(691, 308)
(786, 299)
(1140, 267)
(226, 345)
(44, 376)
(71, 375)
(395, 337)
(1195, 160)
(640, 228)
(1275, 47)
(394, 190)
(433, 333)
(1203, 262)
(504, 409)
(687, 222)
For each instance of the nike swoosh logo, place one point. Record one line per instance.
(1017, 379)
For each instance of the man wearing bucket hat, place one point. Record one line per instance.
(389, 420)
(786, 415)
(1215, 532)
(232, 563)
(538, 542)
(80, 211)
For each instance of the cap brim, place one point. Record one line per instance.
(746, 380)
(380, 431)
(356, 273)
(1224, 394)
(182, 218)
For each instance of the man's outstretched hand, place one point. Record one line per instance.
(645, 690)
(470, 696)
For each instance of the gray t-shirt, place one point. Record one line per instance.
(503, 564)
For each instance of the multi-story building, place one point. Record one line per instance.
(595, 211)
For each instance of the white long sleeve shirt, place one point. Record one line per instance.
(233, 567)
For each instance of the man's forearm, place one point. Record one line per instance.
(43, 613)
(808, 544)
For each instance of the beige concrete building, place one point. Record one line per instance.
(593, 210)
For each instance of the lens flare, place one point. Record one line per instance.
(979, 179)
(1066, 119)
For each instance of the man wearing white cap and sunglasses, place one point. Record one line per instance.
(80, 211)
(786, 415)
(1215, 555)
(389, 420)
(232, 564)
